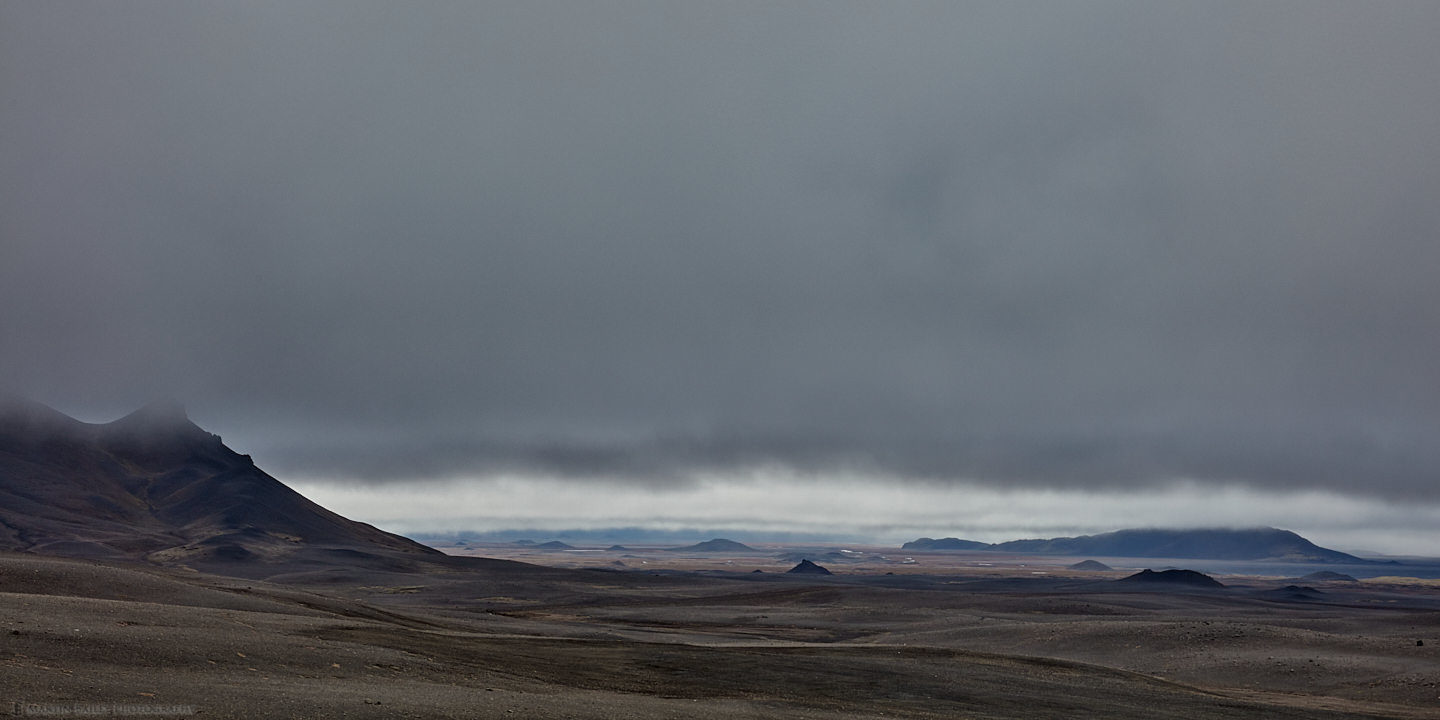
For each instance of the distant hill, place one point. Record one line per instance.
(1293, 593)
(1186, 578)
(553, 545)
(1327, 576)
(153, 485)
(1091, 566)
(944, 544)
(1209, 543)
(1218, 544)
(808, 568)
(718, 545)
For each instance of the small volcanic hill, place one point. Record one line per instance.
(718, 545)
(1293, 593)
(808, 568)
(949, 543)
(1185, 578)
(1091, 566)
(152, 485)
(553, 545)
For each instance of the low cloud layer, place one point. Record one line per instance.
(856, 508)
(1096, 246)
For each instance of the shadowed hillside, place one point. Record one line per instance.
(154, 485)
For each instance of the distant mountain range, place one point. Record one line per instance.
(1210, 543)
(153, 485)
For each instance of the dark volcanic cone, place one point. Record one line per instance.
(1185, 578)
(808, 568)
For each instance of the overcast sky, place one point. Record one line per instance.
(661, 250)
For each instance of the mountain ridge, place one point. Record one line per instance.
(1209, 543)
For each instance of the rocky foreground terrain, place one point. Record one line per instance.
(504, 639)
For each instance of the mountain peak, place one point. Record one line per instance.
(159, 413)
(162, 424)
(162, 417)
(22, 415)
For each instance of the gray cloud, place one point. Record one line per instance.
(1064, 244)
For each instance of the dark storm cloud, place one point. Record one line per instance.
(1071, 244)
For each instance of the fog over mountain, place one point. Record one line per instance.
(1063, 259)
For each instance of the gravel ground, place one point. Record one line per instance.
(80, 636)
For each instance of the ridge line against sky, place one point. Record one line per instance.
(1106, 250)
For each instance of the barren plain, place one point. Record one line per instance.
(670, 635)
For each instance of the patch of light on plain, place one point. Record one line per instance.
(862, 507)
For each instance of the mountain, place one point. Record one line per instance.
(1091, 566)
(1217, 544)
(718, 545)
(153, 485)
(944, 544)
(1209, 543)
